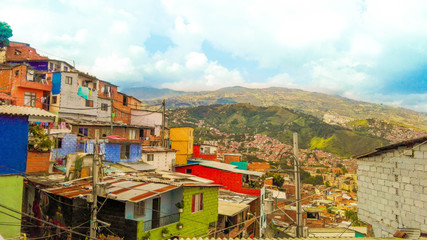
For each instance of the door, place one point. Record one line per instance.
(156, 213)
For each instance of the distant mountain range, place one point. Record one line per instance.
(238, 120)
(145, 93)
(333, 109)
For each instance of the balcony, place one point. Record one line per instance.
(36, 81)
(163, 221)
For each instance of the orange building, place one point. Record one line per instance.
(27, 86)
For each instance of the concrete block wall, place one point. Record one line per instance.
(392, 190)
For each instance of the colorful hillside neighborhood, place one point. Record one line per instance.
(82, 160)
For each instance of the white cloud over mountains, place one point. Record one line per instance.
(355, 48)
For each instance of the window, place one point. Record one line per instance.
(30, 99)
(107, 89)
(189, 170)
(69, 80)
(139, 210)
(16, 73)
(89, 103)
(50, 66)
(83, 132)
(65, 68)
(124, 151)
(58, 143)
(197, 203)
(150, 157)
(54, 99)
(132, 133)
(104, 107)
(85, 83)
(125, 100)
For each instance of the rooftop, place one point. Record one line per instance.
(116, 188)
(230, 208)
(380, 150)
(34, 114)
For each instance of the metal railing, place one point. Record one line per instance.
(163, 221)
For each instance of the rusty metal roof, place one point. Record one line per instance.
(118, 189)
(24, 111)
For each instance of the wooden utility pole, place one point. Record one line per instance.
(94, 208)
(163, 122)
(299, 232)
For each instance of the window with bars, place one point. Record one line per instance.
(83, 132)
(104, 107)
(150, 157)
(139, 210)
(68, 80)
(30, 99)
(89, 103)
(197, 203)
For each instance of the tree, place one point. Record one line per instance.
(5, 34)
(278, 180)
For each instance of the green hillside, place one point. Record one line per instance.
(316, 104)
(277, 122)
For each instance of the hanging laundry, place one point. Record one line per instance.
(90, 91)
(83, 92)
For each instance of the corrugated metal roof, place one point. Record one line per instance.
(24, 111)
(146, 149)
(139, 166)
(228, 167)
(118, 189)
(378, 151)
(230, 208)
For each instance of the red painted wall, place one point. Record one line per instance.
(196, 153)
(230, 180)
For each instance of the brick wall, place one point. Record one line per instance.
(392, 190)
(38, 162)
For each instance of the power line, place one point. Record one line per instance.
(45, 222)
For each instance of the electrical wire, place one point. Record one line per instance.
(45, 222)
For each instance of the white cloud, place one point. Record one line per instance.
(119, 28)
(334, 46)
(195, 60)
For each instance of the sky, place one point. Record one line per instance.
(374, 51)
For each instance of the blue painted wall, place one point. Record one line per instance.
(112, 152)
(13, 143)
(69, 145)
(56, 83)
(38, 66)
(167, 205)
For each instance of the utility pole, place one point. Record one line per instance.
(299, 231)
(94, 208)
(111, 116)
(163, 122)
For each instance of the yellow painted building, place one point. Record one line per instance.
(182, 142)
